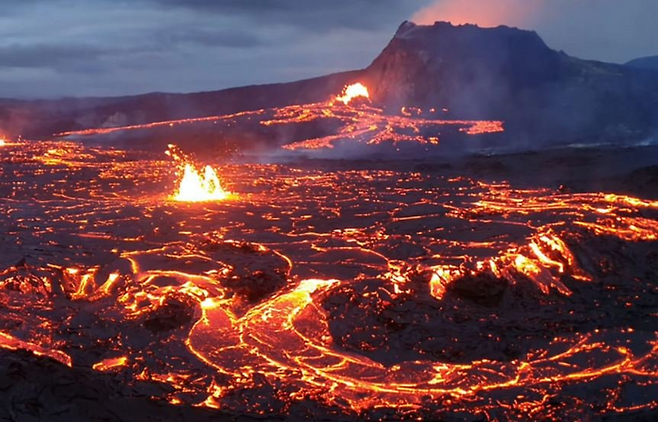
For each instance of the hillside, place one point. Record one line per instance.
(650, 63)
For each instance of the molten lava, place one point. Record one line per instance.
(451, 295)
(3, 142)
(361, 123)
(383, 292)
(197, 187)
(357, 90)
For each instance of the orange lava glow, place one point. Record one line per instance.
(197, 187)
(389, 294)
(111, 364)
(10, 342)
(362, 122)
(371, 126)
(357, 90)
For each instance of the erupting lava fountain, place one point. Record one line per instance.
(353, 91)
(197, 187)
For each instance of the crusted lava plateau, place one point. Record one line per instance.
(323, 289)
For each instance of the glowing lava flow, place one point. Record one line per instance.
(353, 91)
(2, 142)
(434, 297)
(350, 116)
(197, 187)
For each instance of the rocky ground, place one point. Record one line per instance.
(40, 389)
(210, 304)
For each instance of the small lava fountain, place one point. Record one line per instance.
(357, 90)
(196, 186)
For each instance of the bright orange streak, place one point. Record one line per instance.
(7, 341)
(110, 364)
(546, 260)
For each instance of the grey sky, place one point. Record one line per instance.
(115, 47)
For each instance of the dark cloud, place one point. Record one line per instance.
(216, 37)
(10, 8)
(309, 14)
(57, 57)
(116, 47)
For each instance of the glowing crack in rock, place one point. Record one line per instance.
(357, 90)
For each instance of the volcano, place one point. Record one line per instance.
(546, 98)
(418, 240)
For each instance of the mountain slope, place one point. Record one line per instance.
(650, 63)
(41, 119)
(505, 73)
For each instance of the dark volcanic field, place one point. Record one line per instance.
(324, 280)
